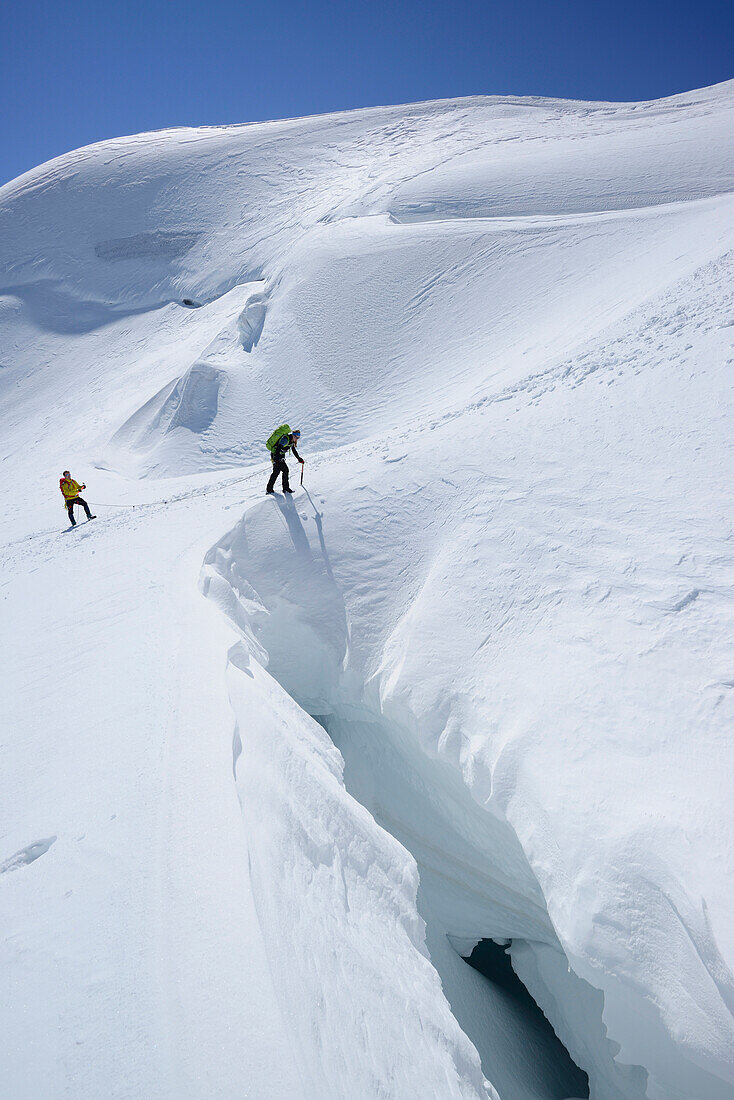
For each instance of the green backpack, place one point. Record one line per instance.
(284, 429)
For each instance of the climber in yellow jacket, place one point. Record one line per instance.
(70, 490)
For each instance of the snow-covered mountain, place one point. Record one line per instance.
(271, 768)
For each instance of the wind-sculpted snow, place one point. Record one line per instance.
(216, 204)
(502, 604)
(273, 577)
(335, 898)
(335, 895)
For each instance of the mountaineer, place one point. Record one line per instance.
(70, 490)
(280, 442)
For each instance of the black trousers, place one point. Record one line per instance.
(70, 508)
(279, 467)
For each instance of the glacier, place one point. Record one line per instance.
(273, 769)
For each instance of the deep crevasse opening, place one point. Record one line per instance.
(461, 892)
(475, 881)
(492, 959)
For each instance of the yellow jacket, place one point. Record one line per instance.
(69, 488)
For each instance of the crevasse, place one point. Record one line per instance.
(475, 882)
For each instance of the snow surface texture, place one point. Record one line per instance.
(500, 611)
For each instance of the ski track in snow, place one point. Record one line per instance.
(472, 682)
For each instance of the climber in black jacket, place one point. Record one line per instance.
(280, 450)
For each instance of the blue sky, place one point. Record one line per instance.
(77, 71)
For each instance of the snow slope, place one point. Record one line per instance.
(499, 612)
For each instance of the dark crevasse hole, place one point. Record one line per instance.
(191, 303)
(493, 962)
(453, 843)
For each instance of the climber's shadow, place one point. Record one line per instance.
(299, 538)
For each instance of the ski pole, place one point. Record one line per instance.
(302, 465)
